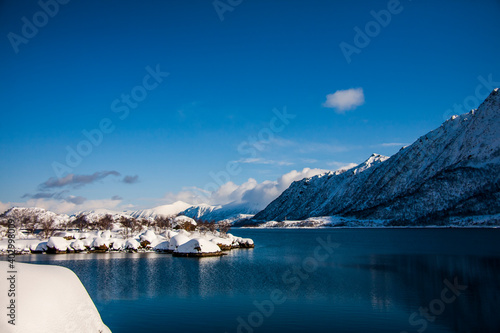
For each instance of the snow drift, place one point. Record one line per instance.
(61, 305)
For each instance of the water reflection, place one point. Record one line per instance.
(374, 288)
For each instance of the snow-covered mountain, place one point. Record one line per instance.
(165, 210)
(231, 212)
(94, 216)
(200, 211)
(42, 215)
(451, 171)
(19, 213)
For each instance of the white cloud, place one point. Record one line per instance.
(343, 100)
(257, 194)
(251, 191)
(341, 165)
(393, 144)
(261, 161)
(4, 206)
(64, 207)
(191, 195)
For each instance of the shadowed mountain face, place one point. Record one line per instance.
(451, 171)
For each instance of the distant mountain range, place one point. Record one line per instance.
(452, 171)
(165, 210)
(231, 212)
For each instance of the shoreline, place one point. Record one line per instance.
(376, 227)
(182, 243)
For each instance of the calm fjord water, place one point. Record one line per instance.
(375, 280)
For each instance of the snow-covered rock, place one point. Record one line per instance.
(50, 299)
(100, 244)
(78, 245)
(169, 234)
(198, 247)
(183, 232)
(64, 234)
(246, 242)
(148, 236)
(118, 244)
(177, 240)
(106, 234)
(87, 242)
(57, 245)
(181, 219)
(132, 244)
(223, 243)
(20, 246)
(38, 247)
(94, 233)
(162, 246)
(82, 235)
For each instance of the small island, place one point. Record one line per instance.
(180, 236)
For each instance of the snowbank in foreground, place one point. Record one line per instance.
(62, 305)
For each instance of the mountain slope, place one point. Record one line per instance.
(20, 213)
(451, 171)
(200, 211)
(165, 210)
(231, 212)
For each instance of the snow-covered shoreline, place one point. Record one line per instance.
(373, 227)
(339, 222)
(34, 230)
(177, 242)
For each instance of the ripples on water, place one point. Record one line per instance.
(373, 282)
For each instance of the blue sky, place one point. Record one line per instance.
(225, 78)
